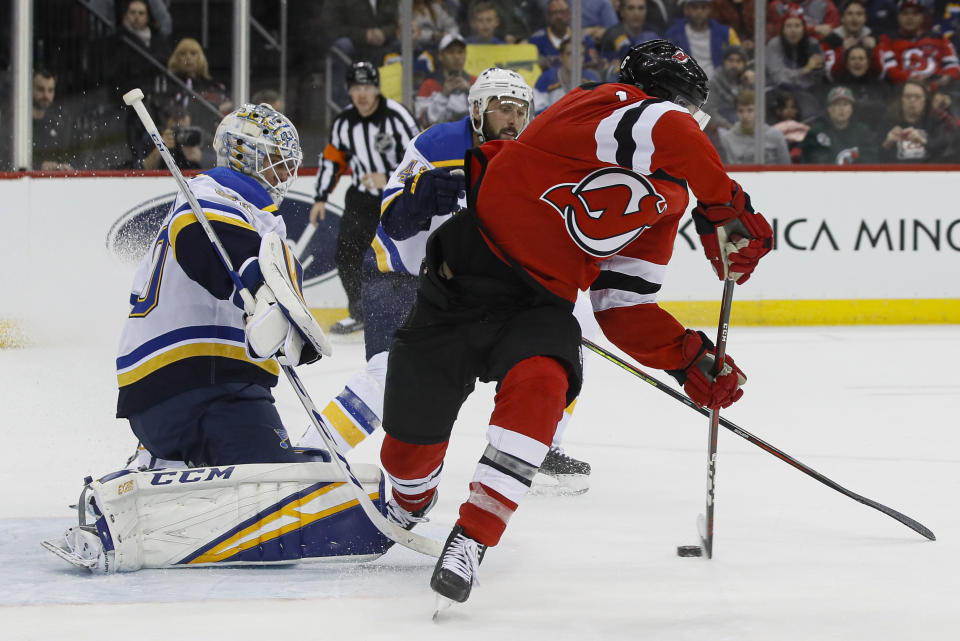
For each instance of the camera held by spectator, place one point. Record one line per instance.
(187, 136)
(184, 141)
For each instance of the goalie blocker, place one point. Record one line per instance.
(259, 514)
(281, 323)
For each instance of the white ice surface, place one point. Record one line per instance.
(875, 409)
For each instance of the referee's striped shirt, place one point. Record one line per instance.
(372, 144)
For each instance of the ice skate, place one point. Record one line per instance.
(80, 547)
(456, 570)
(561, 474)
(346, 326)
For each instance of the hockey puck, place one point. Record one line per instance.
(689, 550)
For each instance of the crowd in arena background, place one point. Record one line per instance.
(866, 81)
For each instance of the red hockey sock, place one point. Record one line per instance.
(413, 470)
(529, 404)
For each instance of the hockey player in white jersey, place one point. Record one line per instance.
(422, 192)
(194, 374)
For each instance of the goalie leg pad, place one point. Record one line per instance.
(255, 514)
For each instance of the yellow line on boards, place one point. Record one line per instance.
(820, 312)
(909, 311)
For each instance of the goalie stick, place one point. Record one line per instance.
(705, 520)
(744, 434)
(406, 538)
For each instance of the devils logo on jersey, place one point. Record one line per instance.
(607, 210)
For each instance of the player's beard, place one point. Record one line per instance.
(505, 133)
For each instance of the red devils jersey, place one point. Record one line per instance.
(927, 55)
(590, 197)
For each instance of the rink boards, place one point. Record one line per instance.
(869, 247)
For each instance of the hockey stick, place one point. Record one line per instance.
(406, 538)
(705, 523)
(742, 433)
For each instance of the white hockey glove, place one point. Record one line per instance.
(269, 333)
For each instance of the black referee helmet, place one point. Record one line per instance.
(363, 73)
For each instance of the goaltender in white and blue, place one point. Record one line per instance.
(194, 374)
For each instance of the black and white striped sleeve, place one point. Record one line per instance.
(406, 126)
(625, 282)
(333, 159)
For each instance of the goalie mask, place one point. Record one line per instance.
(259, 141)
(507, 86)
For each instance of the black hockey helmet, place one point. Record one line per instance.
(664, 70)
(363, 73)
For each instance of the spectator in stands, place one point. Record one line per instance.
(271, 97)
(820, 16)
(596, 16)
(431, 22)
(514, 17)
(52, 129)
(185, 143)
(134, 54)
(660, 14)
(859, 74)
(795, 62)
(737, 14)
(725, 85)
(631, 30)
(853, 30)
(839, 138)
(161, 19)
(443, 96)
(189, 64)
(549, 38)
(784, 115)
(914, 52)
(555, 82)
(484, 22)
(365, 29)
(701, 36)
(736, 143)
(915, 131)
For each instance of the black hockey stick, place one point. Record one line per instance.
(705, 524)
(742, 433)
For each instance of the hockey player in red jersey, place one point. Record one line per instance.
(589, 197)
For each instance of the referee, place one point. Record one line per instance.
(368, 137)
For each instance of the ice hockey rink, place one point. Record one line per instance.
(872, 407)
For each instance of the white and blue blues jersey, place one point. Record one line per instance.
(442, 145)
(185, 328)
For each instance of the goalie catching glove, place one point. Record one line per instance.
(697, 378)
(734, 236)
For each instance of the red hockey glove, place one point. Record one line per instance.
(734, 237)
(697, 377)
